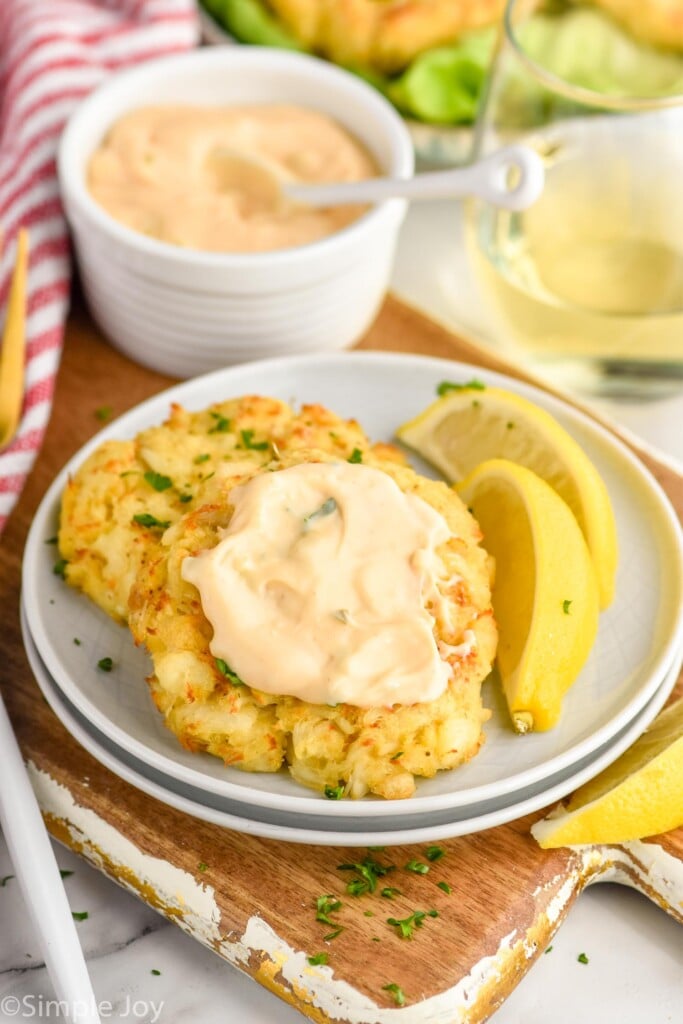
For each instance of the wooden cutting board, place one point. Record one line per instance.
(253, 900)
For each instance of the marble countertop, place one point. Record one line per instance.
(145, 969)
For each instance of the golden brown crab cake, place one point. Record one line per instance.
(659, 22)
(363, 750)
(117, 505)
(385, 34)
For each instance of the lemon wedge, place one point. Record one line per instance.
(473, 423)
(545, 594)
(640, 795)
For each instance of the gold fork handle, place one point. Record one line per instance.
(12, 356)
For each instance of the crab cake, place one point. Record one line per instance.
(338, 748)
(117, 505)
(386, 35)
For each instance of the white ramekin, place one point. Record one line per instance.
(183, 311)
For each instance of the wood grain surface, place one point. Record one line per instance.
(251, 899)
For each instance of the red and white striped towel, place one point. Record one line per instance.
(51, 55)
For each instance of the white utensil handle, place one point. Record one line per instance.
(40, 882)
(511, 178)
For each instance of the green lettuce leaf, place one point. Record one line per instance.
(250, 21)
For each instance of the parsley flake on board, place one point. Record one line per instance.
(202, 866)
(319, 958)
(417, 867)
(226, 671)
(355, 456)
(146, 519)
(448, 385)
(326, 905)
(435, 853)
(405, 925)
(104, 413)
(105, 664)
(445, 887)
(368, 872)
(582, 958)
(388, 892)
(396, 991)
(80, 915)
(250, 444)
(77, 642)
(155, 972)
(158, 481)
(332, 935)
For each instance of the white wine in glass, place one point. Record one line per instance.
(589, 280)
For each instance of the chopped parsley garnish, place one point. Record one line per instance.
(185, 498)
(104, 413)
(226, 671)
(77, 641)
(397, 992)
(417, 867)
(445, 886)
(5, 880)
(52, 540)
(66, 874)
(105, 664)
(355, 456)
(146, 519)
(221, 426)
(332, 935)
(319, 958)
(448, 385)
(80, 915)
(396, 756)
(202, 866)
(566, 605)
(334, 792)
(198, 459)
(509, 425)
(388, 892)
(248, 442)
(155, 972)
(582, 958)
(158, 481)
(368, 913)
(434, 853)
(59, 568)
(548, 950)
(326, 509)
(368, 872)
(326, 905)
(406, 925)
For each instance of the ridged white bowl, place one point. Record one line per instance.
(183, 311)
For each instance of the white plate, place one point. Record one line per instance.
(637, 638)
(322, 832)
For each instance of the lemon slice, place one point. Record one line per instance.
(640, 795)
(545, 594)
(475, 423)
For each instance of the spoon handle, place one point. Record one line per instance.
(511, 178)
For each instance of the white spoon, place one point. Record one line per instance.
(511, 178)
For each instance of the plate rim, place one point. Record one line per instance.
(199, 390)
(307, 836)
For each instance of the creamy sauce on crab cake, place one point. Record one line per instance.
(191, 176)
(326, 586)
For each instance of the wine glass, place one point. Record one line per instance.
(589, 280)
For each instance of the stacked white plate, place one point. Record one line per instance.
(631, 670)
